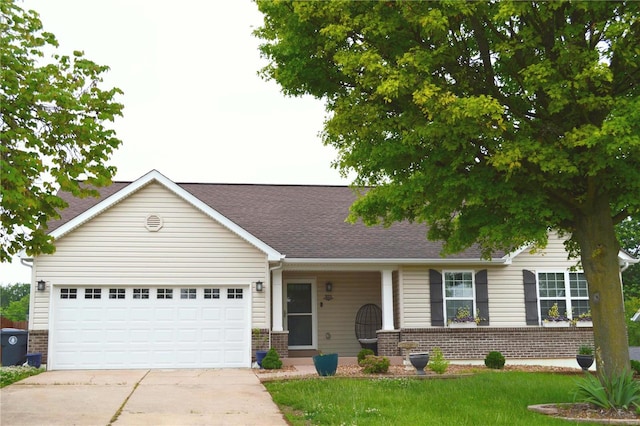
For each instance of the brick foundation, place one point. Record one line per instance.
(260, 342)
(39, 342)
(476, 343)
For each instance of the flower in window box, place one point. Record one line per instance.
(554, 315)
(583, 320)
(463, 315)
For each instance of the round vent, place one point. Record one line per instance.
(153, 223)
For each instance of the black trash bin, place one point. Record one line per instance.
(14, 346)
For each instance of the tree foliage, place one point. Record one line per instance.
(53, 132)
(14, 301)
(491, 122)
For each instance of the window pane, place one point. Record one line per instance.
(454, 305)
(298, 298)
(551, 284)
(578, 285)
(187, 293)
(579, 307)
(458, 284)
(545, 305)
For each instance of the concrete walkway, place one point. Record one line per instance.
(139, 397)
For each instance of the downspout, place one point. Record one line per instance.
(625, 266)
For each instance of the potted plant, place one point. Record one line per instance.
(260, 340)
(464, 318)
(555, 319)
(419, 360)
(326, 364)
(585, 357)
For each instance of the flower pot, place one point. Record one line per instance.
(584, 324)
(419, 361)
(584, 361)
(326, 365)
(260, 356)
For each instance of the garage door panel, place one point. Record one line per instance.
(149, 333)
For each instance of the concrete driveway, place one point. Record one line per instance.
(139, 397)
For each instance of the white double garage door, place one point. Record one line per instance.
(149, 327)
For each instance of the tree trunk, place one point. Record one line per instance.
(599, 254)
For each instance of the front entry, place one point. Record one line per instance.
(301, 319)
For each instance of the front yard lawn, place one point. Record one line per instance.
(486, 398)
(9, 375)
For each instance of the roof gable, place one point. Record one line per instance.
(120, 191)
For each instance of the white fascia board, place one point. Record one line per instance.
(456, 261)
(623, 257)
(155, 176)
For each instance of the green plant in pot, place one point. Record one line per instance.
(260, 341)
(585, 357)
(326, 364)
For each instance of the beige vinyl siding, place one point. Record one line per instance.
(415, 297)
(115, 248)
(506, 291)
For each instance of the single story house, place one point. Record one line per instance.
(158, 274)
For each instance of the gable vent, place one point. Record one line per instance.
(153, 223)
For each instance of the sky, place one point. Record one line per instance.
(195, 108)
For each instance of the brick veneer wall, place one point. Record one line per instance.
(388, 343)
(280, 342)
(38, 341)
(476, 343)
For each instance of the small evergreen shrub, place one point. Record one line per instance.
(438, 364)
(272, 360)
(495, 360)
(363, 354)
(635, 366)
(375, 364)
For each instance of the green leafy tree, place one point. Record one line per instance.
(13, 293)
(52, 129)
(491, 122)
(18, 310)
(14, 301)
(628, 232)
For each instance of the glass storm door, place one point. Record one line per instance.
(300, 315)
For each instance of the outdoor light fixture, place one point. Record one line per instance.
(259, 286)
(41, 285)
(328, 286)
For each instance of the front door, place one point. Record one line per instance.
(301, 314)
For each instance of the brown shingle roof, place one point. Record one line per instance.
(299, 221)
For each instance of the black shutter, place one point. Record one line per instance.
(437, 302)
(530, 297)
(482, 296)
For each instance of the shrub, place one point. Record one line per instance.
(363, 354)
(618, 392)
(635, 366)
(272, 360)
(375, 364)
(438, 364)
(495, 360)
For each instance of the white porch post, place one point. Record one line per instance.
(276, 299)
(387, 299)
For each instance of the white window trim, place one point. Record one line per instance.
(567, 290)
(444, 291)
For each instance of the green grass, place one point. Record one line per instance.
(9, 375)
(487, 398)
